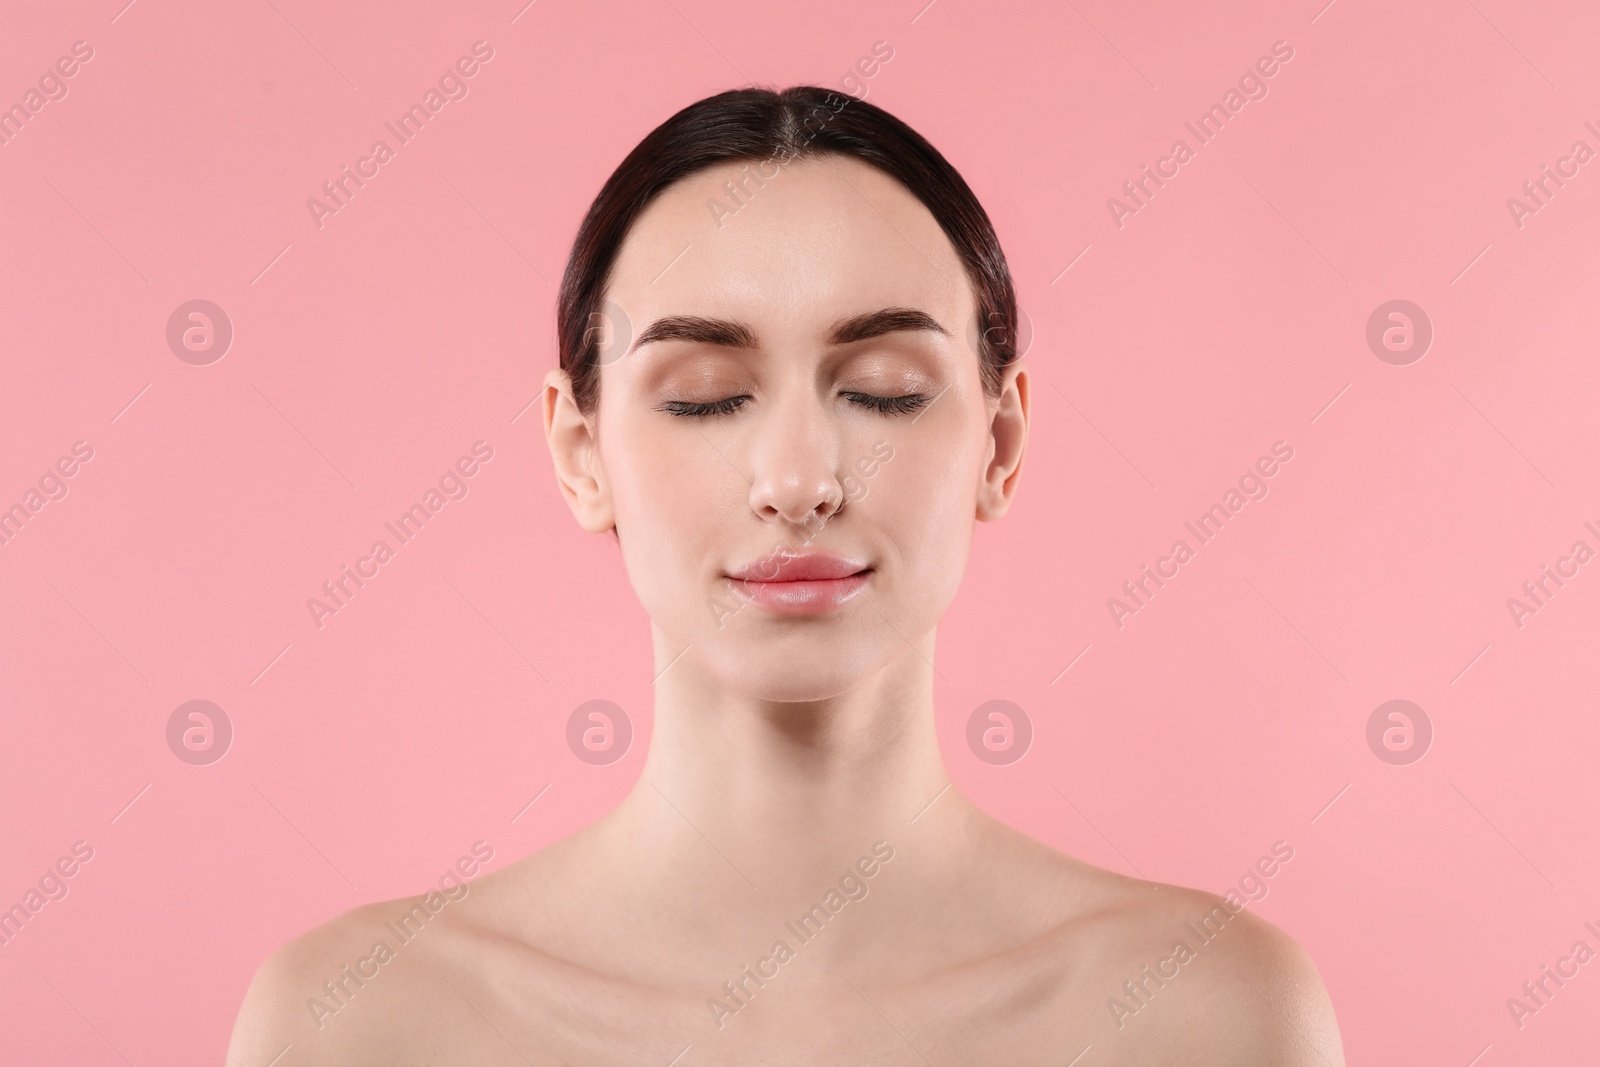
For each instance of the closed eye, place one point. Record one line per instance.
(686, 409)
(887, 405)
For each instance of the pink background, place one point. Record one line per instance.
(370, 353)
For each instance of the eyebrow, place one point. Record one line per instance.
(730, 334)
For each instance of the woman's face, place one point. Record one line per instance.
(795, 378)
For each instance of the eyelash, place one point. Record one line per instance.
(885, 405)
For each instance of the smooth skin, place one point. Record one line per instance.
(785, 747)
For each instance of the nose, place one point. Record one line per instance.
(794, 475)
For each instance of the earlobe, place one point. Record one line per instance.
(573, 449)
(1008, 439)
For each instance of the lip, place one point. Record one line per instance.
(794, 565)
(800, 583)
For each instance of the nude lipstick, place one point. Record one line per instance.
(800, 583)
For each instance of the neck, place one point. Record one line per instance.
(786, 790)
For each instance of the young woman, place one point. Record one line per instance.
(788, 386)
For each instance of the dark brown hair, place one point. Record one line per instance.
(780, 127)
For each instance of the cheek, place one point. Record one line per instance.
(671, 494)
(922, 502)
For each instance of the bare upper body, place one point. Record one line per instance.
(801, 391)
(1005, 953)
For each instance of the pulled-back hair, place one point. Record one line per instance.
(778, 128)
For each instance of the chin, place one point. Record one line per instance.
(798, 671)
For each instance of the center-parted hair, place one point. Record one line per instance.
(775, 129)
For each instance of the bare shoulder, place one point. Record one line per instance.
(1184, 975)
(425, 979)
(1152, 973)
(354, 990)
(1256, 991)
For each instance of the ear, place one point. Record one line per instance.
(1008, 438)
(575, 450)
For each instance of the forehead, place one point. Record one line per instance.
(826, 237)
